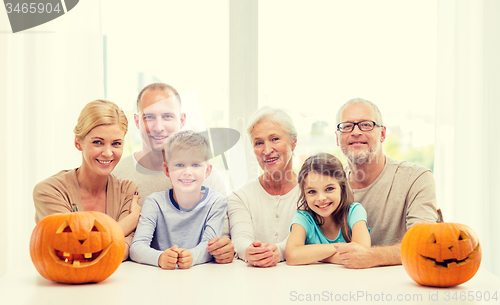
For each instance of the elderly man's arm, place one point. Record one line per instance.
(356, 256)
(421, 199)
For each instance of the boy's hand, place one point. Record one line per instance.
(168, 259)
(222, 249)
(185, 259)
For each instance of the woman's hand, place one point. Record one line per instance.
(126, 252)
(135, 208)
(275, 255)
(262, 255)
(129, 222)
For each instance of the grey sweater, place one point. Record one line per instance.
(163, 224)
(402, 195)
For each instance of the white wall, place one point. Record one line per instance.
(47, 75)
(467, 112)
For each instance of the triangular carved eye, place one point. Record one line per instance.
(463, 236)
(97, 227)
(64, 228)
(432, 239)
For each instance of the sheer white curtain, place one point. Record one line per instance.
(47, 74)
(467, 116)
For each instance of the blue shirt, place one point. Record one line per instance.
(313, 233)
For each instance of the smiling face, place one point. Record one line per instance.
(101, 149)
(159, 116)
(187, 170)
(440, 254)
(360, 146)
(322, 193)
(77, 247)
(272, 147)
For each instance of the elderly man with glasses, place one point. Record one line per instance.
(396, 194)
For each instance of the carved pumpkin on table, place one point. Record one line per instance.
(77, 247)
(440, 254)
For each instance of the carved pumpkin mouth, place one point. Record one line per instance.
(78, 260)
(447, 263)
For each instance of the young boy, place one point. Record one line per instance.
(176, 225)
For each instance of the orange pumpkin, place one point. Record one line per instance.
(440, 254)
(77, 247)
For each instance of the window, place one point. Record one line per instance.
(313, 58)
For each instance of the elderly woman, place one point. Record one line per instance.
(99, 135)
(260, 212)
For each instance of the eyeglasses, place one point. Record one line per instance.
(363, 126)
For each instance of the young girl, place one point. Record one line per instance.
(326, 214)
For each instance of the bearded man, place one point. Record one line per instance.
(395, 194)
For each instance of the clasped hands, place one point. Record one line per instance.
(262, 255)
(221, 248)
(175, 256)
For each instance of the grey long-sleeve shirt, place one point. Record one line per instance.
(163, 224)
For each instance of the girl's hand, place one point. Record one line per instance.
(333, 259)
(258, 255)
(168, 259)
(185, 259)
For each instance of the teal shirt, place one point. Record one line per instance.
(313, 233)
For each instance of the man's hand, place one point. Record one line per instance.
(168, 259)
(355, 256)
(222, 249)
(185, 259)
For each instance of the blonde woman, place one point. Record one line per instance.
(99, 135)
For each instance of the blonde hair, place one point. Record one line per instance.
(187, 141)
(97, 113)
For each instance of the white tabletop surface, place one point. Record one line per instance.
(237, 283)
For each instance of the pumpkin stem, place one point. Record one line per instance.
(75, 208)
(440, 216)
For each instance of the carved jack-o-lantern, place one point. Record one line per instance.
(440, 254)
(78, 247)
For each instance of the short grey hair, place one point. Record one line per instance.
(276, 116)
(378, 115)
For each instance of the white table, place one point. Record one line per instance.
(237, 283)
